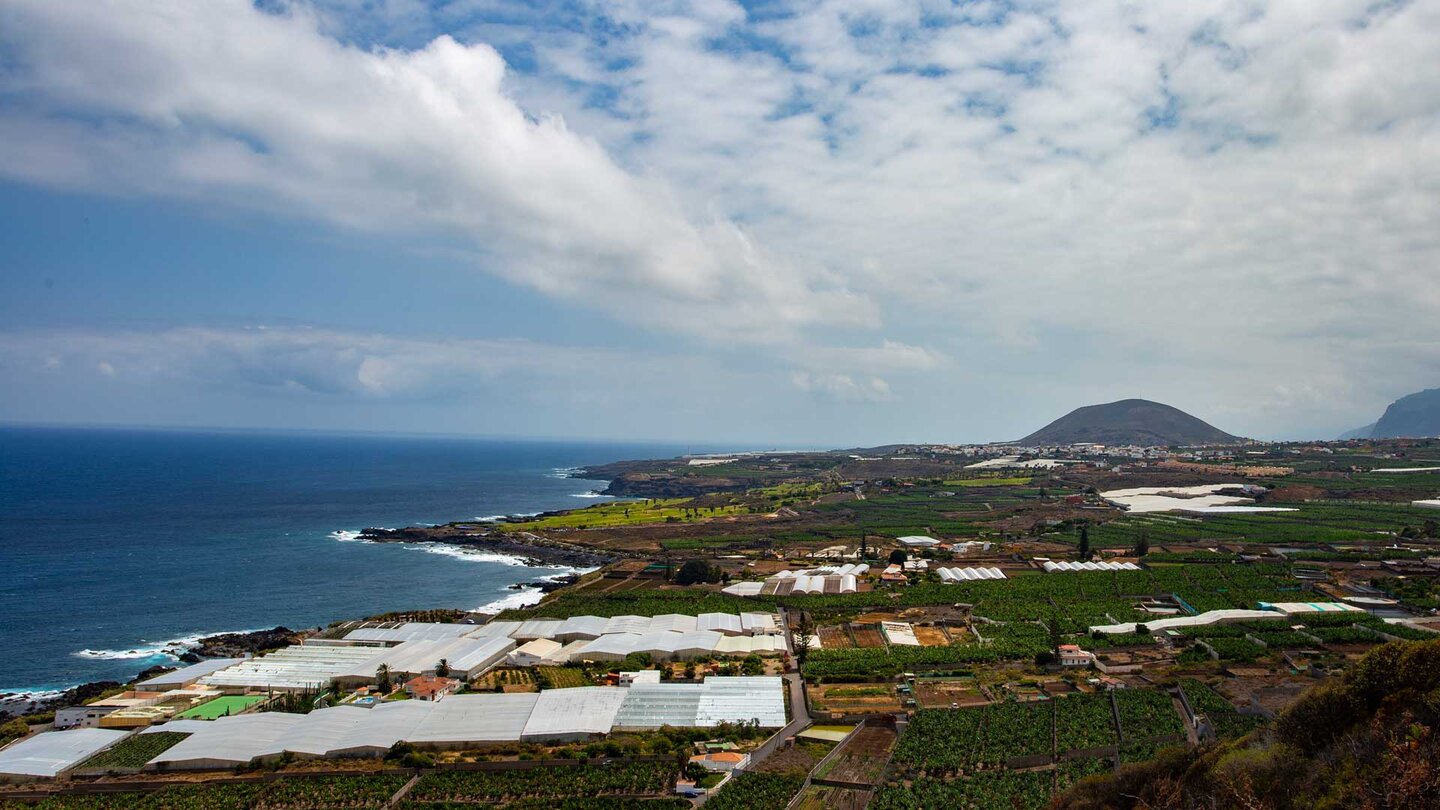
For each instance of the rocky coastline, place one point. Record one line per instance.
(534, 550)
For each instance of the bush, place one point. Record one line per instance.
(13, 730)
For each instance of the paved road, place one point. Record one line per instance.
(799, 713)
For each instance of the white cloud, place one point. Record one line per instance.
(223, 101)
(843, 387)
(1233, 204)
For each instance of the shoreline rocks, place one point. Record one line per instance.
(534, 550)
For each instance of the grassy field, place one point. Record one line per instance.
(221, 707)
(628, 513)
(989, 482)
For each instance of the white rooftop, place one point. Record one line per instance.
(1054, 567)
(569, 712)
(185, 675)
(49, 753)
(411, 631)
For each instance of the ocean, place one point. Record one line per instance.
(116, 545)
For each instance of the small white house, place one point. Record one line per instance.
(1072, 656)
(643, 676)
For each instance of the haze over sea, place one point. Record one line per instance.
(115, 544)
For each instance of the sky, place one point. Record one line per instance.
(810, 223)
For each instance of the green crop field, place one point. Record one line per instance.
(134, 751)
(562, 677)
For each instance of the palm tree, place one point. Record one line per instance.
(442, 669)
(382, 678)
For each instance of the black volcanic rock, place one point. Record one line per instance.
(1129, 421)
(1413, 416)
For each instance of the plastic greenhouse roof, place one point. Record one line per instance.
(50, 752)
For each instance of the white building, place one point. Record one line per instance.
(534, 653)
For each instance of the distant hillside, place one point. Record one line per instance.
(1412, 416)
(1367, 432)
(1129, 421)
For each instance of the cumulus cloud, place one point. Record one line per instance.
(222, 100)
(1244, 191)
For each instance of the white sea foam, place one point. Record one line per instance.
(594, 493)
(24, 696)
(521, 598)
(466, 554)
(170, 648)
(346, 536)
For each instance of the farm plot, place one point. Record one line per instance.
(939, 742)
(1344, 635)
(1237, 649)
(987, 790)
(820, 797)
(835, 637)
(930, 636)
(134, 751)
(1146, 713)
(480, 787)
(326, 792)
(295, 793)
(1203, 699)
(561, 677)
(755, 790)
(856, 698)
(867, 636)
(862, 759)
(1015, 730)
(1083, 722)
(1068, 773)
(955, 694)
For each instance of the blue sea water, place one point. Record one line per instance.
(115, 544)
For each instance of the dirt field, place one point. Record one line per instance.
(867, 635)
(863, 759)
(942, 694)
(931, 636)
(835, 637)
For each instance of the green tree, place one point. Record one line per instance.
(695, 571)
(442, 668)
(382, 678)
(1142, 544)
(897, 557)
(1084, 542)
